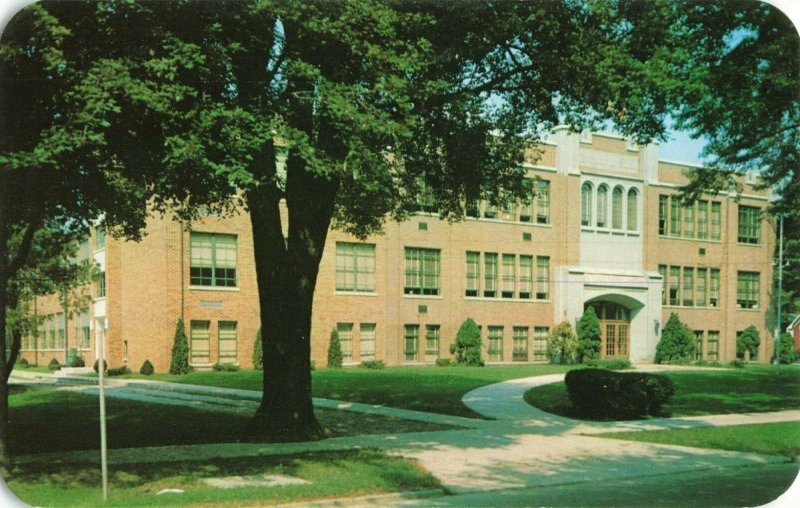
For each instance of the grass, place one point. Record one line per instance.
(331, 474)
(756, 389)
(771, 438)
(49, 420)
(431, 389)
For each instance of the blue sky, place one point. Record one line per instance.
(681, 148)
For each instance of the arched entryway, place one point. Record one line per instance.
(615, 328)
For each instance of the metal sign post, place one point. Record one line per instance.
(101, 378)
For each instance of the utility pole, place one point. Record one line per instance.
(780, 290)
(101, 363)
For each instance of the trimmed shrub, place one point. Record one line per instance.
(119, 371)
(738, 363)
(467, 347)
(335, 356)
(77, 362)
(445, 362)
(22, 363)
(748, 342)
(258, 351)
(373, 364)
(105, 366)
(180, 351)
(615, 364)
(147, 368)
(677, 342)
(562, 345)
(588, 336)
(226, 367)
(53, 365)
(788, 354)
(604, 394)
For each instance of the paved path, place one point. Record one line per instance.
(522, 448)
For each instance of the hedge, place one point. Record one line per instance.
(604, 394)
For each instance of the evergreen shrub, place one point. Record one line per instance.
(588, 330)
(748, 341)
(677, 342)
(180, 351)
(335, 356)
(147, 368)
(788, 354)
(105, 366)
(226, 367)
(613, 364)
(119, 371)
(53, 365)
(604, 394)
(258, 351)
(562, 345)
(444, 362)
(373, 364)
(467, 346)
(22, 363)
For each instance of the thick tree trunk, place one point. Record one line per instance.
(5, 371)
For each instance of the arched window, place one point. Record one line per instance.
(586, 204)
(616, 208)
(602, 206)
(633, 209)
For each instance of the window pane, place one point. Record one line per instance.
(520, 339)
(663, 207)
(688, 221)
(431, 343)
(702, 219)
(411, 340)
(367, 344)
(227, 342)
(473, 273)
(700, 292)
(345, 331)
(586, 204)
(540, 334)
(675, 216)
(525, 277)
(490, 274)
(602, 206)
(542, 278)
(542, 202)
(200, 341)
(616, 208)
(688, 286)
(509, 276)
(495, 343)
(716, 220)
(633, 210)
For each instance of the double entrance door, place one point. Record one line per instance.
(615, 326)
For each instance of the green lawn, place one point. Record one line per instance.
(771, 438)
(755, 389)
(433, 389)
(331, 474)
(50, 420)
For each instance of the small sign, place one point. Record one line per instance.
(207, 304)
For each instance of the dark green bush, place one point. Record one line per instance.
(748, 342)
(787, 350)
(226, 367)
(588, 331)
(180, 351)
(677, 342)
(22, 363)
(77, 362)
(53, 365)
(614, 364)
(373, 364)
(467, 346)
(105, 365)
(738, 363)
(444, 362)
(562, 345)
(335, 356)
(258, 351)
(604, 394)
(119, 371)
(147, 368)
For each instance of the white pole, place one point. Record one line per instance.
(101, 377)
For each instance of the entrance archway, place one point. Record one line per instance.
(615, 328)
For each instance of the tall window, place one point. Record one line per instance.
(688, 221)
(688, 286)
(520, 339)
(542, 278)
(367, 341)
(663, 211)
(83, 259)
(345, 331)
(200, 342)
(509, 275)
(212, 260)
(713, 288)
(422, 271)
(495, 344)
(542, 202)
(633, 210)
(51, 320)
(526, 204)
(473, 273)
(431, 343)
(662, 269)
(62, 337)
(698, 338)
(749, 224)
(411, 339)
(716, 220)
(490, 274)
(700, 290)
(702, 220)
(616, 208)
(355, 267)
(227, 342)
(602, 206)
(540, 334)
(675, 217)
(426, 202)
(100, 238)
(83, 331)
(712, 348)
(586, 204)
(100, 284)
(674, 285)
(525, 277)
(747, 289)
